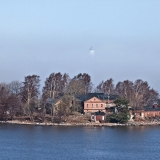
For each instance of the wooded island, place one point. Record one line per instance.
(76, 100)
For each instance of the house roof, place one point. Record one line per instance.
(101, 96)
(53, 102)
(99, 113)
(152, 109)
(147, 109)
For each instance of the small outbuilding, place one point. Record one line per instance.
(98, 116)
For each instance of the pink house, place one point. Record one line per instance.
(95, 104)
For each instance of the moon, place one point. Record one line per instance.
(91, 52)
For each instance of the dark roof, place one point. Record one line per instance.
(99, 113)
(52, 101)
(152, 109)
(147, 109)
(101, 96)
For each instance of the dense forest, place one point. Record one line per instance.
(25, 99)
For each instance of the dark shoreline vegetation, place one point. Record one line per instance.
(59, 101)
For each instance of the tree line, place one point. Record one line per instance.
(26, 99)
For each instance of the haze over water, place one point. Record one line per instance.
(48, 142)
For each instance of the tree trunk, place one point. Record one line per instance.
(52, 114)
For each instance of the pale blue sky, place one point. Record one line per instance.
(45, 36)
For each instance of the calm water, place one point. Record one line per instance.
(48, 142)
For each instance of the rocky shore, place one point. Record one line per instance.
(140, 123)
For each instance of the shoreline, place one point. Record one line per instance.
(82, 124)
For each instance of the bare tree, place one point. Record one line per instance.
(150, 97)
(74, 89)
(4, 94)
(138, 93)
(15, 87)
(125, 89)
(55, 85)
(9, 102)
(30, 91)
(86, 80)
(106, 87)
(4, 90)
(14, 106)
(140, 89)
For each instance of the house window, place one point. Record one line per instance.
(87, 105)
(101, 105)
(92, 105)
(96, 105)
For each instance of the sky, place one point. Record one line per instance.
(45, 36)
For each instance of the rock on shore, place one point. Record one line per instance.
(81, 124)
